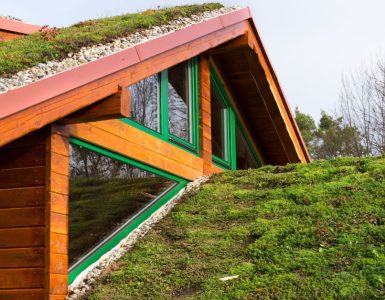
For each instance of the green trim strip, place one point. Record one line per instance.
(233, 121)
(115, 240)
(163, 134)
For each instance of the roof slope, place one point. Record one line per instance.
(39, 103)
(17, 26)
(56, 44)
(294, 232)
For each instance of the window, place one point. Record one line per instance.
(145, 108)
(218, 125)
(167, 103)
(231, 148)
(179, 102)
(245, 158)
(108, 194)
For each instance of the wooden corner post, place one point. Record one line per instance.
(56, 213)
(205, 120)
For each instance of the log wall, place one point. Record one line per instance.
(33, 216)
(22, 217)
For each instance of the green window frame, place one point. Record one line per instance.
(137, 220)
(231, 121)
(164, 132)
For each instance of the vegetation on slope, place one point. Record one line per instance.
(55, 44)
(296, 232)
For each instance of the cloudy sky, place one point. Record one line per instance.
(311, 43)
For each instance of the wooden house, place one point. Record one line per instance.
(88, 154)
(11, 29)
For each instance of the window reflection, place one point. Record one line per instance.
(218, 123)
(179, 101)
(103, 195)
(245, 159)
(145, 102)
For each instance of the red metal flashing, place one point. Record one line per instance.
(17, 26)
(48, 88)
(40, 91)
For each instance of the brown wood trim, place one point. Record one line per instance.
(205, 113)
(35, 117)
(255, 44)
(113, 107)
(129, 141)
(56, 213)
(235, 104)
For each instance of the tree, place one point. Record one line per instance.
(308, 128)
(362, 105)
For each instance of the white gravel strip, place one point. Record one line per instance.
(86, 281)
(88, 54)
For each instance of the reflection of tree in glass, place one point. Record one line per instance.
(178, 101)
(144, 102)
(89, 164)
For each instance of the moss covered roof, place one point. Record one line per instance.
(57, 43)
(313, 231)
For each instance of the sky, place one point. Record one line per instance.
(311, 44)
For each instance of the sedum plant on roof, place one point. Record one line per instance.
(56, 44)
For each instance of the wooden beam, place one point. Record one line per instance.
(56, 214)
(236, 44)
(112, 107)
(33, 118)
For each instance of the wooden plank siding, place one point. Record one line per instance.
(9, 35)
(205, 113)
(56, 213)
(22, 217)
(139, 145)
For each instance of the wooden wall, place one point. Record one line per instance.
(22, 217)
(9, 35)
(205, 113)
(33, 238)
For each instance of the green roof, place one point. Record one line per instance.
(56, 44)
(313, 231)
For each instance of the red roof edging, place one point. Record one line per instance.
(18, 26)
(40, 91)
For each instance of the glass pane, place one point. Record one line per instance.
(104, 194)
(245, 159)
(145, 102)
(218, 122)
(179, 101)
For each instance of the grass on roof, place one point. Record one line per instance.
(312, 231)
(55, 44)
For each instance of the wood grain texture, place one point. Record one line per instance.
(22, 177)
(22, 157)
(36, 117)
(22, 294)
(22, 197)
(21, 278)
(21, 257)
(137, 144)
(56, 213)
(205, 113)
(112, 107)
(22, 217)
(21, 237)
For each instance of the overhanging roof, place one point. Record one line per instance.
(18, 26)
(33, 106)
